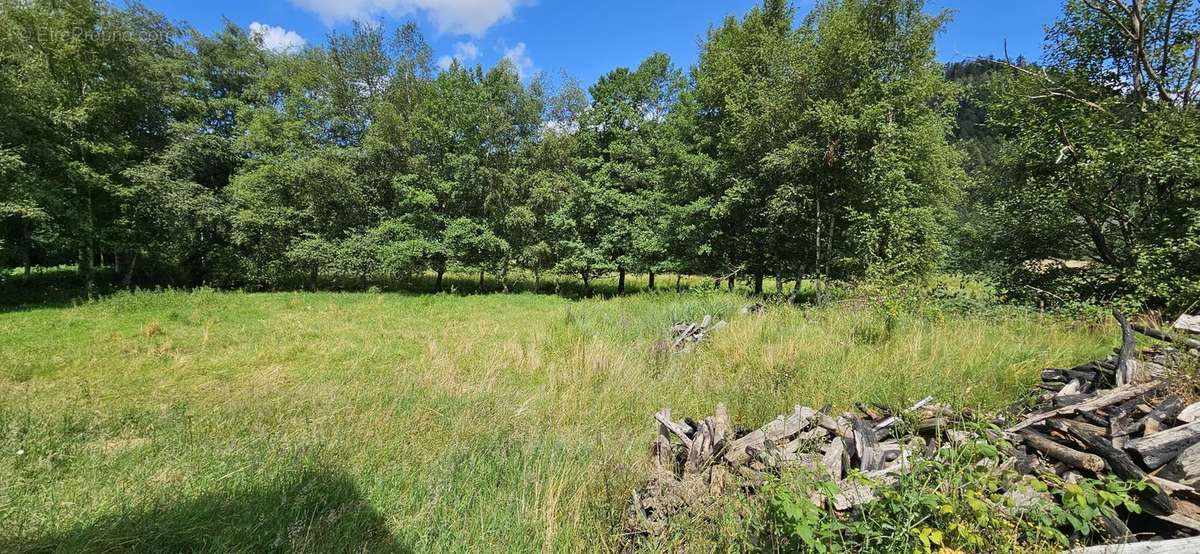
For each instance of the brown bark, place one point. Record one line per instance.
(620, 280)
(127, 281)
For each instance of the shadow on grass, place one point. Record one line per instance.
(314, 511)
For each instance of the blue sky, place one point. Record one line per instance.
(585, 38)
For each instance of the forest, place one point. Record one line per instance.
(826, 146)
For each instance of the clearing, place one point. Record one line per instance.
(515, 422)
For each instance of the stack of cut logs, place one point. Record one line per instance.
(1117, 416)
(685, 335)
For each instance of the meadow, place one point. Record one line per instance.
(381, 421)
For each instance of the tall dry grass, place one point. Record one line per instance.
(249, 422)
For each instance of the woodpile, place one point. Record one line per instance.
(1116, 416)
(686, 335)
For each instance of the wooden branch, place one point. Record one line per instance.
(1155, 333)
(664, 419)
(1191, 82)
(892, 419)
(1065, 454)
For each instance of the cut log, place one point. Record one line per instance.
(722, 426)
(1162, 447)
(851, 494)
(1183, 522)
(781, 428)
(664, 419)
(1171, 487)
(663, 457)
(1166, 412)
(684, 335)
(870, 457)
(835, 458)
(1177, 546)
(1071, 389)
(1070, 400)
(1119, 394)
(700, 451)
(1054, 375)
(1125, 361)
(1119, 462)
(1155, 333)
(1189, 414)
(1185, 468)
(1187, 324)
(1120, 429)
(1064, 454)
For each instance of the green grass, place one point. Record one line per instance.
(314, 422)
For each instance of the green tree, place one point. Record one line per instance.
(1096, 186)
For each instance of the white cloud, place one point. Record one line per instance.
(464, 17)
(520, 59)
(464, 52)
(277, 39)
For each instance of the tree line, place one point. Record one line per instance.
(831, 145)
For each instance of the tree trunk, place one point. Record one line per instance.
(651, 283)
(440, 273)
(678, 282)
(758, 284)
(779, 284)
(729, 283)
(481, 280)
(587, 283)
(87, 255)
(312, 277)
(27, 253)
(127, 281)
(87, 267)
(620, 281)
(537, 280)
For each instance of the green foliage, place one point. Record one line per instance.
(951, 501)
(1098, 164)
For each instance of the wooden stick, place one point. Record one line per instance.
(1155, 333)
(1072, 457)
(892, 419)
(1125, 362)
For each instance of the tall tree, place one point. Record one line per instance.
(1096, 165)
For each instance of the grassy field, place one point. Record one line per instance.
(312, 422)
